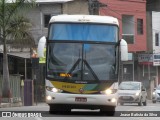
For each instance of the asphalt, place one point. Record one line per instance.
(19, 104)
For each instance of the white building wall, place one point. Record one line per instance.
(156, 29)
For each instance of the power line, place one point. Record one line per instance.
(135, 47)
(120, 15)
(123, 21)
(94, 6)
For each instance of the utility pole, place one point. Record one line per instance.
(93, 7)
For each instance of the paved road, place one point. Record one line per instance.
(93, 115)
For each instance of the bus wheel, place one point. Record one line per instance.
(109, 110)
(59, 109)
(53, 109)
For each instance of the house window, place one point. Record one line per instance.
(46, 20)
(140, 26)
(128, 28)
(156, 39)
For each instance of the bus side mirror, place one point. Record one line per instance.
(124, 50)
(41, 46)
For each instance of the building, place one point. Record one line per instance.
(41, 14)
(20, 60)
(132, 18)
(153, 37)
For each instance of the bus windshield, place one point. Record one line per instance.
(83, 32)
(81, 61)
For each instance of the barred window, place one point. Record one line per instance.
(46, 20)
(156, 39)
(139, 26)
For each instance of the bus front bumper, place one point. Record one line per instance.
(81, 99)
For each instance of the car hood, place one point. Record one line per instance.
(127, 92)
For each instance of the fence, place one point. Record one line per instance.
(15, 87)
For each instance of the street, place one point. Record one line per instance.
(127, 111)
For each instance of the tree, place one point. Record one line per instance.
(13, 29)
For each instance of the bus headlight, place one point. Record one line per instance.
(113, 100)
(49, 98)
(109, 91)
(53, 89)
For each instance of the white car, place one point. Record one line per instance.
(156, 95)
(132, 92)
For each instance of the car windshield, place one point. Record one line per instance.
(129, 86)
(158, 88)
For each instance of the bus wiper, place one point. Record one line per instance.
(74, 66)
(89, 67)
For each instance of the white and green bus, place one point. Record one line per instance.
(82, 62)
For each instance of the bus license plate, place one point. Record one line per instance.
(81, 99)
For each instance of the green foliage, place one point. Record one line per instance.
(14, 26)
(14, 29)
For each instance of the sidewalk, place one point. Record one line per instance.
(4, 105)
(19, 104)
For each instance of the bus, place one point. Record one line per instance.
(82, 62)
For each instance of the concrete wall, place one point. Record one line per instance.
(76, 7)
(155, 29)
(36, 17)
(153, 26)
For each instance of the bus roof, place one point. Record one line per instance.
(84, 19)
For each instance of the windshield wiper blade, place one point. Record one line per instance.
(89, 67)
(74, 66)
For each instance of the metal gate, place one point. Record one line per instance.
(14, 86)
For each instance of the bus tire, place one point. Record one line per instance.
(53, 109)
(109, 110)
(59, 109)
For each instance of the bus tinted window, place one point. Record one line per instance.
(83, 32)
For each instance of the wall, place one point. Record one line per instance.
(153, 5)
(76, 7)
(36, 14)
(149, 32)
(155, 29)
(36, 17)
(137, 8)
